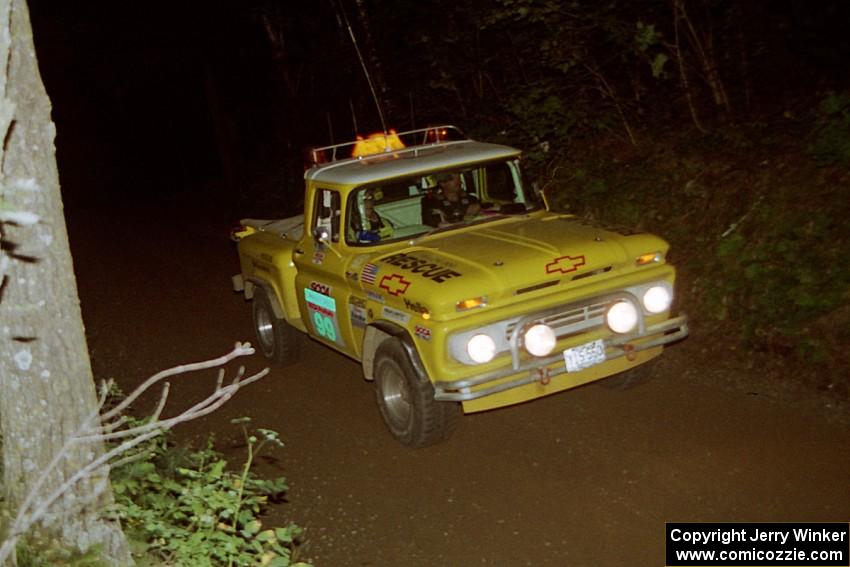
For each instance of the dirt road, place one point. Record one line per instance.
(586, 477)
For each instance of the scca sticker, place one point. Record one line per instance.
(422, 267)
(394, 284)
(319, 287)
(565, 264)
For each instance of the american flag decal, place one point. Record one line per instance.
(370, 272)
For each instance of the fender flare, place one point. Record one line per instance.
(251, 283)
(379, 331)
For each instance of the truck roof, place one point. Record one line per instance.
(410, 160)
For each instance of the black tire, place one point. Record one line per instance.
(631, 378)
(406, 400)
(276, 339)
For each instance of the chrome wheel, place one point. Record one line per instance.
(277, 340)
(265, 330)
(395, 394)
(406, 399)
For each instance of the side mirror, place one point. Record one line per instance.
(540, 192)
(322, 235)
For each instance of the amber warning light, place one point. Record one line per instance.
(376, 143)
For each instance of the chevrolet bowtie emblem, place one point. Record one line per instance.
(565, 264)
(394, 284)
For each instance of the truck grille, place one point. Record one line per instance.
(570, 322)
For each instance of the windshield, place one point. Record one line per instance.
(447, 199)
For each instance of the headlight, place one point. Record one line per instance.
(657, 299)
(622, 317)
(539, 339)
(481, 348)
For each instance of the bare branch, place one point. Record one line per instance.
(239, 350)
(97, 428)
(158, 411)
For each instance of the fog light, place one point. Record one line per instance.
(622, 317)
(657, 299)
(481, 348)
(539, 339)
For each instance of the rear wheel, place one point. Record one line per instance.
(406, 399)
(276, 339)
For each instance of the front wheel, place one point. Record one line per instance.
(277, 339)
(406, 399)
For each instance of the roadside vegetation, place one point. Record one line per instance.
(182, 506)
(756, 217)
(721, 125)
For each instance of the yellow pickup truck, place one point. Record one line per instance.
(424, 256)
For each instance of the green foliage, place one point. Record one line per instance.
(831, 137)
(783, 276)
(646, 43)
(759, 236)
(542, 121)
(188, 508)
(34, 552)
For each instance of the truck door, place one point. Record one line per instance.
(322, 287)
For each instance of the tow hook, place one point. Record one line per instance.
(630, 352)
(543, 376)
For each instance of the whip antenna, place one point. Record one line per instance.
(341, 10)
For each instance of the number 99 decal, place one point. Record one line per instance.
(324, 326)
(322, 310)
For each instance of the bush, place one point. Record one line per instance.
(830, 143)
(758, 234)
(187, 508)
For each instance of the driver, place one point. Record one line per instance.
(373, 227)
(451, 203)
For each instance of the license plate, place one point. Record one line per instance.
(584, 356)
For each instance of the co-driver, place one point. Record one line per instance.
(451, 204)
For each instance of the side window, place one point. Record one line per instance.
(327, 212)
(500, 183)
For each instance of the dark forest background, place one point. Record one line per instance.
(722, 125)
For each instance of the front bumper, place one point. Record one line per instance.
(538, 369)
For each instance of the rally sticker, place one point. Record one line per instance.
(423, 333)
(322, 310)
(394, 284)
(359, 317)
(370, 272)
(415, 306)
(357, 311)
(395, 315)
(374, 296)
(318, 257)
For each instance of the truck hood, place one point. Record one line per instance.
(499, 259)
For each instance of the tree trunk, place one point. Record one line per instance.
(46, 385)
